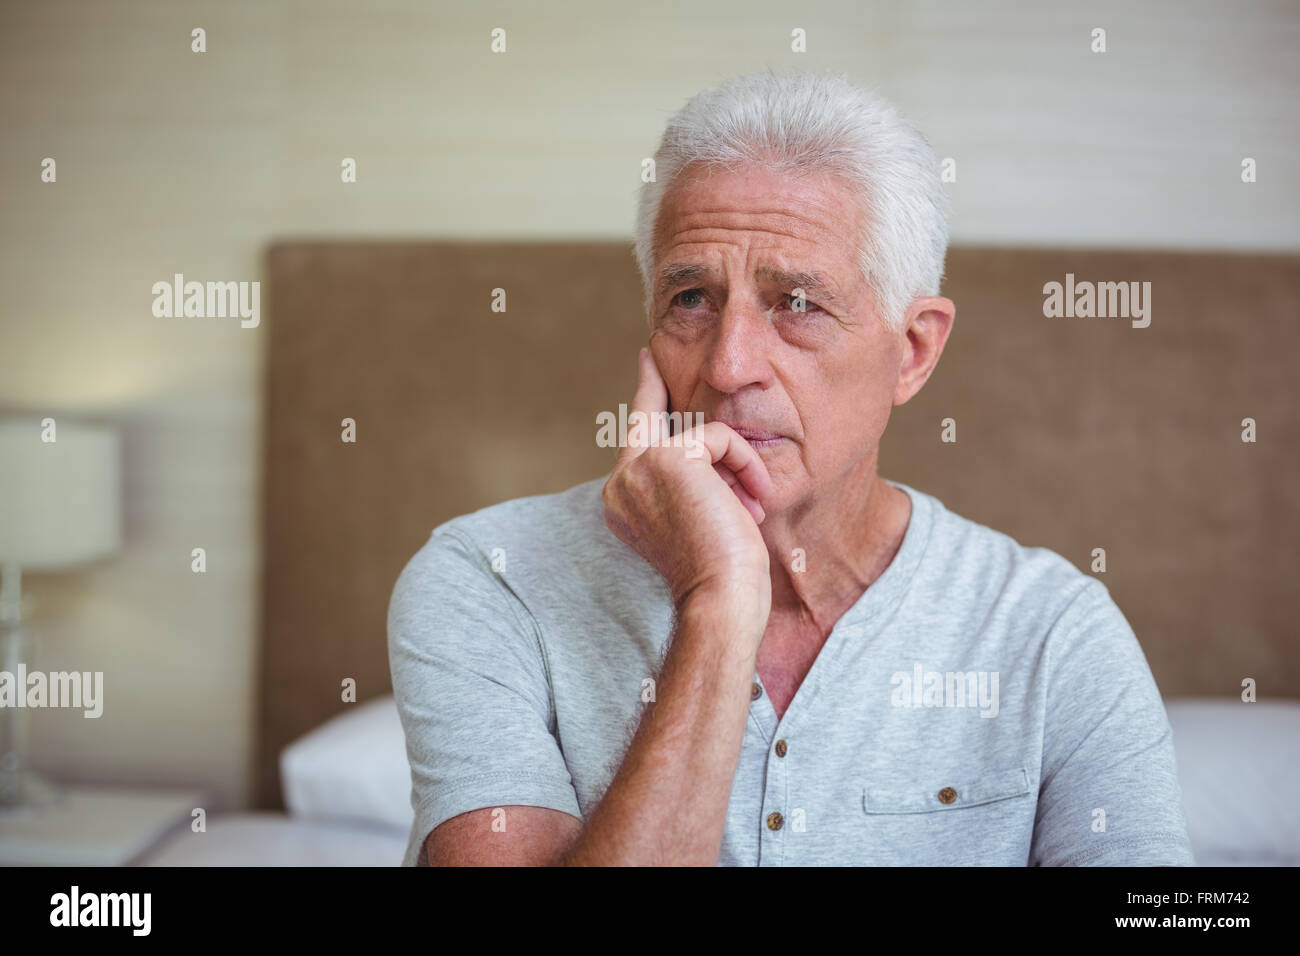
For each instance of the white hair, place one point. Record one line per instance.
(810, 123)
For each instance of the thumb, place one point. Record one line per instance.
(650, 400)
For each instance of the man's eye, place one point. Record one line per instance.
(681, 296)
(808, 304)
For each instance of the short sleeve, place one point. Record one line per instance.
(472, 691)
(1109, 793)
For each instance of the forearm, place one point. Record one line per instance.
(667, 804)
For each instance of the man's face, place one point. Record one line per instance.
(729, 342)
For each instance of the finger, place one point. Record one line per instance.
(650, 399)
(755, 509)
(728, 448)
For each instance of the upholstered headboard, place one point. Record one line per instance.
(1072, 433)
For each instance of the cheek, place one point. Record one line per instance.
(850, 416)
(672, 365)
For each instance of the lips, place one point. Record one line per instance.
(750, 433)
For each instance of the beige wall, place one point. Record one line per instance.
(170, 162)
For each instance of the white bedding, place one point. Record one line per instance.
(1238, 771)
(264, 838)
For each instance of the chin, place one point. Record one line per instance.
(784, 495)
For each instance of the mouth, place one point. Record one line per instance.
(757, 437)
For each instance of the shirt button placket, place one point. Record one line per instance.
(774, 822)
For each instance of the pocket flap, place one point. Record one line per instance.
(946, 794)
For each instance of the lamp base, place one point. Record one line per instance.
(27, 793)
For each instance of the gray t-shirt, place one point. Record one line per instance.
(982, 702)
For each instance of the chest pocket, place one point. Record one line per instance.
(944, 795)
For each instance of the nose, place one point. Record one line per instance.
(738, 355)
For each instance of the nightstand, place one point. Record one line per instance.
(94, 826)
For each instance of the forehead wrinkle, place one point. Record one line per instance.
(765, 219)
(685, 228)
(709, 233)
(688, 237)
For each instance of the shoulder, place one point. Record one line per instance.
(1059, 612)
(527, 528)
(475, 575)
(1026, 588)
(562, 519)
(985, 561)
(524, 551)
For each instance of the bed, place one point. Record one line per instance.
(1074, 434)
(347, 788)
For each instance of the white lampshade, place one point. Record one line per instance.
(60, 501)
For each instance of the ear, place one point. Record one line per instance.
(926, 326)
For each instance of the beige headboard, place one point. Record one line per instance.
(1072, 433)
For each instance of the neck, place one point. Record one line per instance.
(847, 537)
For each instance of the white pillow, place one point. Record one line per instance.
(1239, 775)
(353, 766)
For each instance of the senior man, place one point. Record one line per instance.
(749, 648)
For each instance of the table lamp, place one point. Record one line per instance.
(60, 506)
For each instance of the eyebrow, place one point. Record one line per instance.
(814, 285)
(678, 275)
